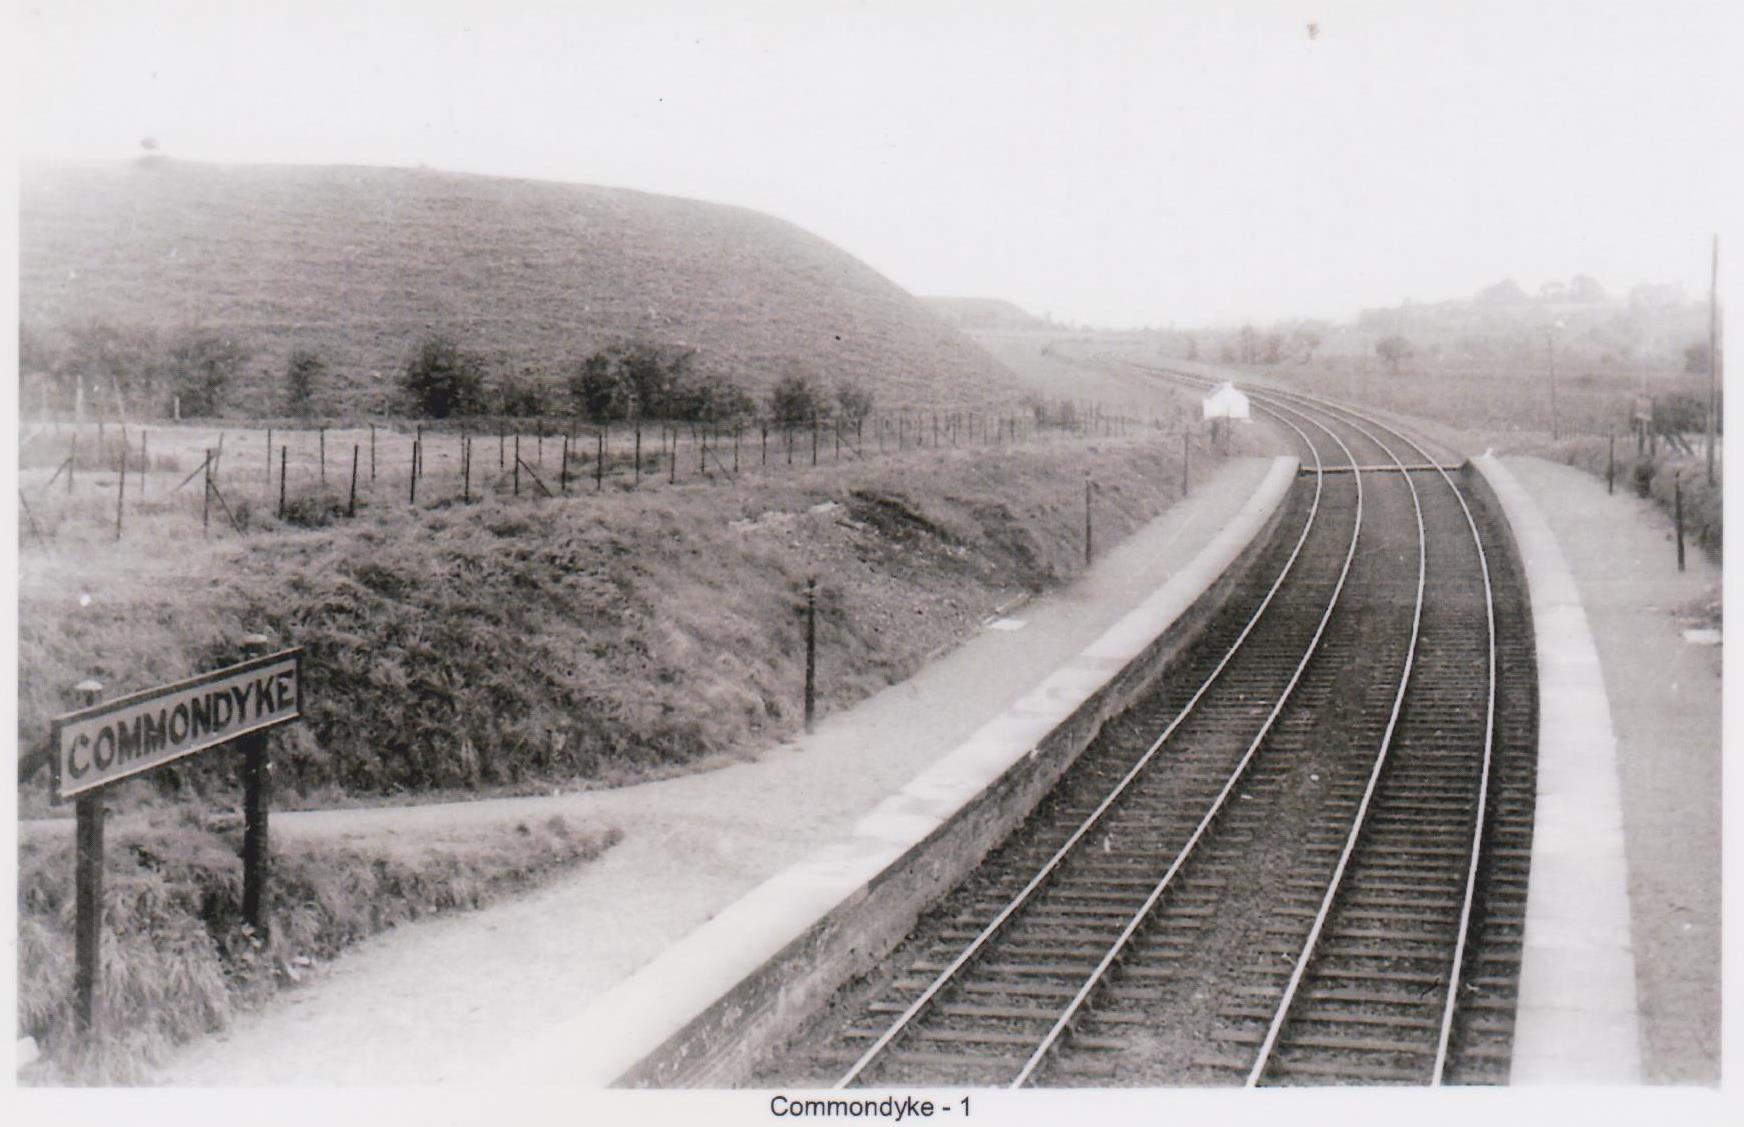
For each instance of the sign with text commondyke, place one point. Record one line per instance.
(107, 742)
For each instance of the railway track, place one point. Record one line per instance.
(1300, 857)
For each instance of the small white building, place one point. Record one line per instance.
(1224, 402)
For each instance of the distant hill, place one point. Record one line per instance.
(984, 313)
(360, 263)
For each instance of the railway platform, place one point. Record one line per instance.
(474, 998)
(1620, 980)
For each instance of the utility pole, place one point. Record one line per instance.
(1713, 355)
(1550, 351)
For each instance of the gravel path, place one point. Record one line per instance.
(443, 1000)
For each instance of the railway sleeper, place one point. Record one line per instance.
(1389, 1020)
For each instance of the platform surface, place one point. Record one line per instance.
(1626, 862)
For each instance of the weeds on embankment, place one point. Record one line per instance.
(512, 644)
(177, 959)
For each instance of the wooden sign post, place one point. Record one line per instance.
(102, 744)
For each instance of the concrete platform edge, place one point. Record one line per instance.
(1577, 1020)
(709, 1004)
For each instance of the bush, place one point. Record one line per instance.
(521, 396)
(442, 379)
(303, 374)
(314, 510)
(854, 400)
(794, 400)
(200, 364)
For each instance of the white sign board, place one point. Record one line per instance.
(99, 745)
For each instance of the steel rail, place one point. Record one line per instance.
(1143, 912)
(1301, 968)
(1480, 822)
(998, 923)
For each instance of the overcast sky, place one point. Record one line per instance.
(1110, 162)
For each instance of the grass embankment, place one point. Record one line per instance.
(177, 959)
(512, 644)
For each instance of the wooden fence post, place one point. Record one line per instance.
(351, 505)
(1089, 553)
(1611, 466)
(372, 453)
(256, 769)
(284, 451)
(638, 450)
(810, 653)
(88, 897)
(517, 463)
(121, 492)
(321, 433)
(206, 498)
(599, 461)
(1677, 511)
(412, 498)
(563, 470)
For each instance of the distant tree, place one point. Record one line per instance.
(1505, 292)
(200, 363)
(1192, 348)
(641, 378)
(794, 399)
(1695, 358)
(1306, 339)
(1250, 349)
(1395, 350)
(303, 374)
(1272, 351)
(598, 388)
(1585, 289)
(442, 379)
(522, 396)
(1226, 353)
(854, 401)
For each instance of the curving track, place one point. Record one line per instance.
(1300, 858)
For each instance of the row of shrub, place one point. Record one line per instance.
(191, 373)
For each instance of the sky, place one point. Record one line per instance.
(1114, 163)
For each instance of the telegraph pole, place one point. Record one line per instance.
(1713, 355)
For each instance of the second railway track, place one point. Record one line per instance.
(1299, 857)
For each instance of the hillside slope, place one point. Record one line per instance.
(359, 263)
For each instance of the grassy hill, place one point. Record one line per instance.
(984, 313)
(360, 263)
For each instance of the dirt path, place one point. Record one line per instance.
(442, 1001)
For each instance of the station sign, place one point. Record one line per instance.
(108, 742)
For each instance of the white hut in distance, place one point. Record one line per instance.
(1224, 402)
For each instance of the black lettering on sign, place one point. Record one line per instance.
(105, 740)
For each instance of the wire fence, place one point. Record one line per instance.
(241, 476)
